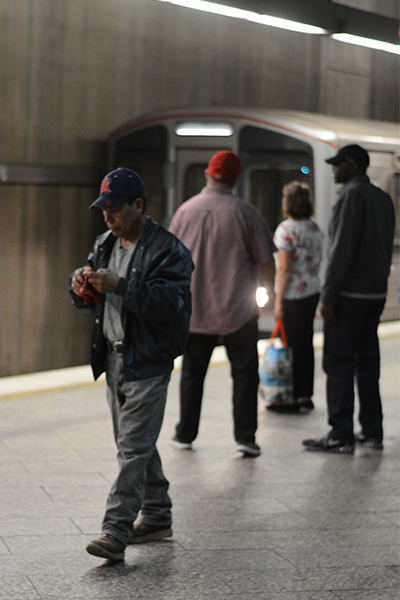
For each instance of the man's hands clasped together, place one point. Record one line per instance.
(103, 281)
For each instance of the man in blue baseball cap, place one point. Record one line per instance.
(137, 285)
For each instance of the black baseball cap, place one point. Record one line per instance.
(351, 154)
(117, 187)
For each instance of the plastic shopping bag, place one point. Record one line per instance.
(276, 369)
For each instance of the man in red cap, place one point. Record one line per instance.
(230, 243)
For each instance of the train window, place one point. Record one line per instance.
(145, 151)
(265, 191)
(270, 161)
(194, 180)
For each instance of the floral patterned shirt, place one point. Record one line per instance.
(303, 239)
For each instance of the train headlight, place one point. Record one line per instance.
(261, 296)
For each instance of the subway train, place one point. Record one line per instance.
(171, 150)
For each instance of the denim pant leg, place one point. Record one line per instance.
(368, 372)
(241, 347)
(137, 409)
(195, 362)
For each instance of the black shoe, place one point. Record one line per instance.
(283, 407)
(145, 532)
(306, 406)
(249, 449)
(107, 546)
(327, 444)
(368, 442)
(181, 445)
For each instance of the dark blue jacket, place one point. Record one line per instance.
(156, 303)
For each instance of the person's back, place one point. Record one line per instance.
(372, 262)
(229, 242)
(360, 241)
(225, 236)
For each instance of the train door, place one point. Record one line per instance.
(191, 164)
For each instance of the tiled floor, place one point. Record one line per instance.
(289, 525)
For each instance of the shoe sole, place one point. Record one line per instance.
(329, 450)
(181, 445)
(97, 550)
(155, 536)
(368, 445)
(250, 453)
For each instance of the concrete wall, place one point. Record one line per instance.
(74, 70)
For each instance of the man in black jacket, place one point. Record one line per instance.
(360, 247)
(137, 285)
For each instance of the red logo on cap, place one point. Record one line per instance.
(108, 202)
(104, 186)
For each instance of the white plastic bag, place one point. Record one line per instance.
(276, 369)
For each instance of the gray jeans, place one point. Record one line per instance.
(140, 489)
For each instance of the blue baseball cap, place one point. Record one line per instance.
(117, 187)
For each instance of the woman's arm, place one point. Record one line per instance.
(281, 279)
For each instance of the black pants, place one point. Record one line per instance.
(351, 350)
(241, 347)
(298, 320)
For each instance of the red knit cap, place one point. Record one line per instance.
(224, 167)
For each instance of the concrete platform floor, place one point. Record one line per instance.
(289, 525)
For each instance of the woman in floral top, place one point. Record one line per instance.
(297, 287)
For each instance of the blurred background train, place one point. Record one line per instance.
(171, 150)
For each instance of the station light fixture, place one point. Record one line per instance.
(366, 42)
(248, 15)
(204, 129)
(340, 34)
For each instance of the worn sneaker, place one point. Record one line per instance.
(181, 445)
(327, 444)
(107, 546)
(368, 442)
(249, 449)
(144, 532)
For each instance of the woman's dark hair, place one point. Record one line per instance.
(298, 200)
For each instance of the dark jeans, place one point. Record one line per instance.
(241, 347)
(351, 349)
(298, 320)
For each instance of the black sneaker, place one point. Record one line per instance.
(368, 442)
(181, 445)
(327, 444)
(145, 532)
(249, 449)
(107, 546)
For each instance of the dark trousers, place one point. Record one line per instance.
(298, 320)
(241, 348)
(351, 350)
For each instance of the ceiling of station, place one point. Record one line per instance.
(334, 17)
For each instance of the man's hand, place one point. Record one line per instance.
(327, 312)
(103, 280)
(78, 278)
